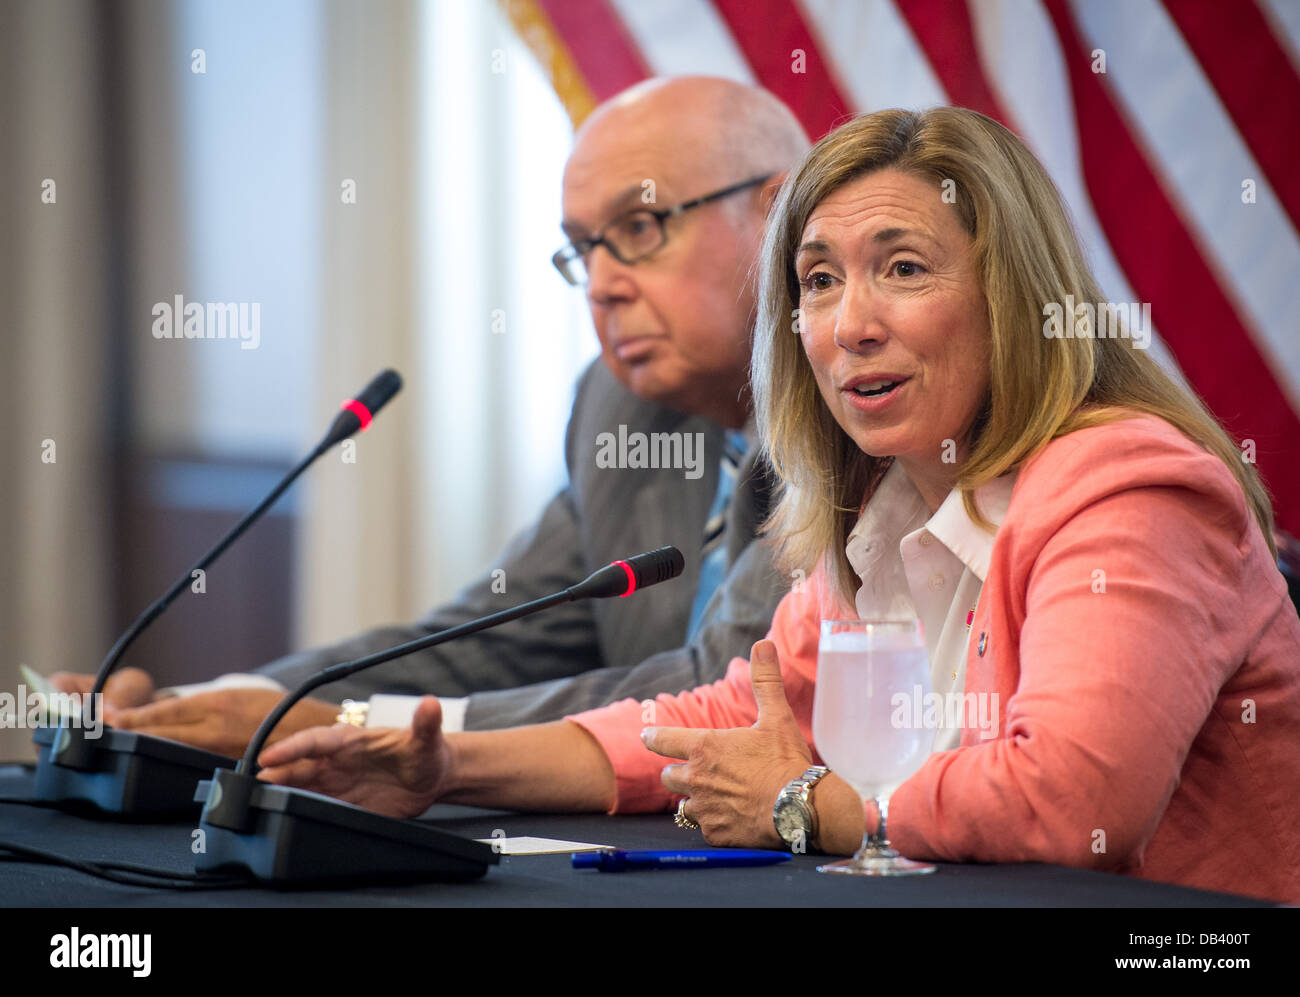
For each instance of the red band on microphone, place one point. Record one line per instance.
(359, 410)
(631, 578)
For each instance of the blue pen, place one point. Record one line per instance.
(617, 860)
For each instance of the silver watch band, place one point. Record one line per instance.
(811, 775)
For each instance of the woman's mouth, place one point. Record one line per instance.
(872, 394)
(873, 389)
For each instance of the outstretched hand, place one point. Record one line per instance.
(223, 720)
(126, 687)
(731, 778)
(400, 772)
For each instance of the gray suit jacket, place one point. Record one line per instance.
(581, 655)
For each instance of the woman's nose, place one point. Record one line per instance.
(859, 324)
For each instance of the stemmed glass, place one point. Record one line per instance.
(868, 674)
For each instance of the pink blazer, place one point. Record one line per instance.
(1146, 659)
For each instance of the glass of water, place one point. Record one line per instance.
(868, 674)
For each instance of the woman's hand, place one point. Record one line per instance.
(400, 772)
(733, 777)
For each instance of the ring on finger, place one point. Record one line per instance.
(680, 818)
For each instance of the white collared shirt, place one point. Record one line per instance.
(929, 567)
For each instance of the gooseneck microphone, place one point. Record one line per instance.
(129, 774)
(622, 578)
(285, 835)
(617, 579)
(356, 413)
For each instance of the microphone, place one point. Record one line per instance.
(357, 412)
(284, 835)
(130, 774)
(622, 578)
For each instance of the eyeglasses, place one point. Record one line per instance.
(632, 237)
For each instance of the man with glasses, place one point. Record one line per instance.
(632, 237)
(664, 199)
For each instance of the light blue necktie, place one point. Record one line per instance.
(713, 557)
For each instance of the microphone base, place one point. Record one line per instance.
(295, 838)
(128, 776)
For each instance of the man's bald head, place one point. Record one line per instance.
(708, 130)
(675, 325)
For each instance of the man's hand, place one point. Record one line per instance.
(733, 777)
(395, 771)
(223, 721)
(125, 688)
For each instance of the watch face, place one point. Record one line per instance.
(790, 819)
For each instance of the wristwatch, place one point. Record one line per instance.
(793, 815)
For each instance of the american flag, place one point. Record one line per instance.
(1172, 128)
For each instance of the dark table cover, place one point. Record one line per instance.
(544, 880)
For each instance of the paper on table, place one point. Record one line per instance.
(39, 685)
(540, 846)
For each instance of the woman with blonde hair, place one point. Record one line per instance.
(1082, 542)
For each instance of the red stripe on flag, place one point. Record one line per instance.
(945, 32)
(772, 34)
(1159, 256)
(599, 43)
(1255, 80)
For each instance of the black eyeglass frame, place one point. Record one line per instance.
(581, 248)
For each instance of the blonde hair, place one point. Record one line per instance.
(1026, 255)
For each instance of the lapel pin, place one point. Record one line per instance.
(984, 642)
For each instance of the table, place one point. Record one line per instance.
(546, 880)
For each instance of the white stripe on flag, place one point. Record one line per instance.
(1022, 61)
(873, 53)
(683, 37)
(1200, 154)
(1284, 17)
